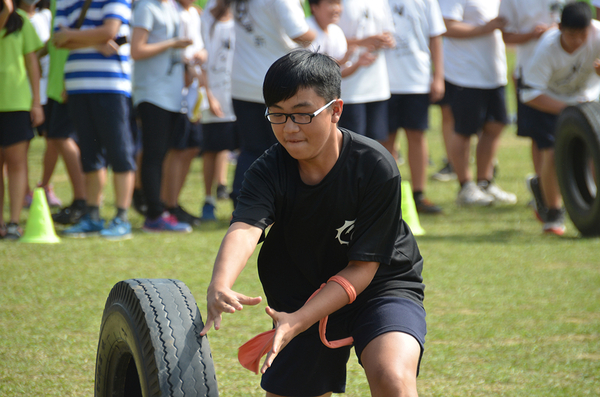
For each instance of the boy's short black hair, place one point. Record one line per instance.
(576, 15)
(302, 69)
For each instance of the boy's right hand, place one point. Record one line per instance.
(222, 299)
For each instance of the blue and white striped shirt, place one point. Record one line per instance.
(87, 70)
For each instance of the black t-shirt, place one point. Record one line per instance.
(354, 213)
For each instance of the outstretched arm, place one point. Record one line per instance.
(331, 298)
(237, 246)
(462, 30)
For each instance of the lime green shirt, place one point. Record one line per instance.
(58, 58)
(15, 92)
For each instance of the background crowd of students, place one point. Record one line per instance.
(143, 88)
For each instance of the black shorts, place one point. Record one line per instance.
(59, 121)
(367, 119)
(15, 127)
(537, 125)
(306, 367)
(254, 132)
(103, 131)
(408, 111)
(449, 89)
(473, 107)
(42, 129)
(218, 137)
(186, 135)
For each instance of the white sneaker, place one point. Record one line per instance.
(471, 194)
(500, 196)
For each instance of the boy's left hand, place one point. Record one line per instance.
(37, 115)
(287, 327)
(61, 38)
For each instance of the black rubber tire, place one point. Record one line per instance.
(149, 343)
(578, 145)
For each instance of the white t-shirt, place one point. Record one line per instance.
(190, 28)
(523, 16)
(333, 42)
(264, 30)
(159, 79)
(478, 62)
(409, 62)
(42, 23)
(360, 19)
(220, 44)
(569, 78)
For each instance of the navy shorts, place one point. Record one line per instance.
(254, 131)
(186, 135)
(367, 119)
(218, 137)
(473, 107)
(103, 131)
(408, 111)
(537, 125)
(449, 89)
(15, 127)
(306, 367)
(59, 121)
(42, 129)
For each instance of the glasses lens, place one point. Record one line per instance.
(301, 118)
(276, 118)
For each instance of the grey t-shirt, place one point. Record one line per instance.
(159, 79)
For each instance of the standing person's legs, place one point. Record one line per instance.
(184, 146)
(156, 123)
(256, 136)
(469, 108)
(15, 157)
(487, 147)
(15, 134)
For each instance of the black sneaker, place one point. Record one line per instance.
(222, 193)
(139, 202)
(183, 216)
(540, 209)
(445, 174)
(68, 215)
(424, 206)
(13, 232)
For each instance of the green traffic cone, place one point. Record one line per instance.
(409, 210)
(39, 227)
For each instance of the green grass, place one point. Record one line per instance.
(511, 312)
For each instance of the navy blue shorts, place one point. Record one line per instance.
(15, 127)
(367, 119)
(408, 111)
(42, 129)
(186, 135)
(449, 89)
(218, 137)
(254, 131)
(59, 121)
(473, 107)
(103, 131)
(537, 125)
(306, 367)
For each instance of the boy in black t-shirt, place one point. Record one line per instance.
(333, 200)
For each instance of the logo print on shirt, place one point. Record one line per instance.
(344, 233)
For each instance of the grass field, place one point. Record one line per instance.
(511, 312)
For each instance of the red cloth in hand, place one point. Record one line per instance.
(250, 353)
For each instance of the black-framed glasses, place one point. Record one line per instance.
(298, 118)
